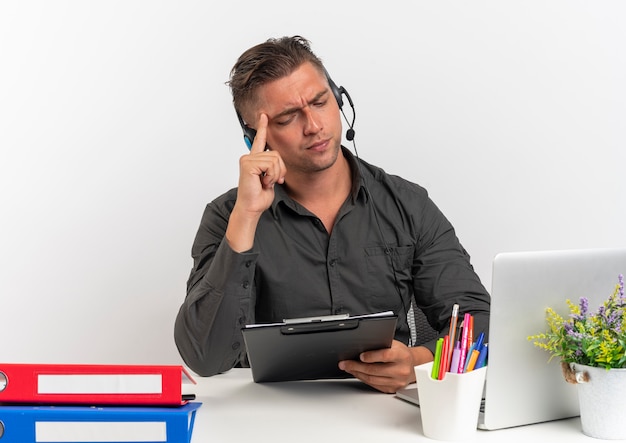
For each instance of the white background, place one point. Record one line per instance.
(116, 128)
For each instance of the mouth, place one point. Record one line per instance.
(319, 146)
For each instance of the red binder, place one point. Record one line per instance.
(158, 385)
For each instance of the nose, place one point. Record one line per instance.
(312, 123)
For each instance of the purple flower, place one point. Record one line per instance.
(612, 319)
(584, 306)
(578, 353)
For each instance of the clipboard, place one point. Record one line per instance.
(311, 348)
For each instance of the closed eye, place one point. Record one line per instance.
(285, 120)
(288, 116)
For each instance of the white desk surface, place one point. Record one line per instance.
(236, 409)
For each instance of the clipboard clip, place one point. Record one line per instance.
(319, 326)
(316, 319)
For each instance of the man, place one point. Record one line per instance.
(311, 230)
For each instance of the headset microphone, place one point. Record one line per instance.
(338, 92)
(349, 132)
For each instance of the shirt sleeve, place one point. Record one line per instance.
(443, 276)
(218, 304)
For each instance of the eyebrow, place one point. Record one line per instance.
(297, 108)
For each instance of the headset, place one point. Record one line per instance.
(338, 92)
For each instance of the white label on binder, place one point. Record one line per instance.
(73, 431)
(99, 384)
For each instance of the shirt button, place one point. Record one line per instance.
(333, 262)
(248, 264)
(242, 320)
(236, 345)
(246, 285)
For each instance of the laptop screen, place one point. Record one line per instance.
(523, 386)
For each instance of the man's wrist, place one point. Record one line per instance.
(241, 230)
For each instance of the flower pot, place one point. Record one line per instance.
(601, 395)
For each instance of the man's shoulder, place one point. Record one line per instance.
(223, 203)
(230, 195)
(376, 176)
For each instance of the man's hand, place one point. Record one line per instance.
(388, 370)
(259, 171)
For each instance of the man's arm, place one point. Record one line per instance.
(207, 329)
(219, 292)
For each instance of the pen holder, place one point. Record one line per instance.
(450, 407)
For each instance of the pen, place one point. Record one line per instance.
(479, 341)
(468, 355)
(472, 361)
(482, 358)
(452, 333)
(476, 347)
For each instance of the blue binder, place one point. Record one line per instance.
(83, 424)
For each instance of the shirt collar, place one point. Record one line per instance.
(358, 187)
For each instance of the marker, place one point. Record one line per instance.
(463, 355)
(454, 363)
(443, 367)
(470, 332)
(434, 373)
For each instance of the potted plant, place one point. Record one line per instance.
(592, 348)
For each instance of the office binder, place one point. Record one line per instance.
(93, 384)
(311, 348)
(82, 424)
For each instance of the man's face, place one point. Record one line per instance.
(304, 125)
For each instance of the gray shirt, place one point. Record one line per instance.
(390, 245)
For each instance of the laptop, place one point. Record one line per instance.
(522, 387)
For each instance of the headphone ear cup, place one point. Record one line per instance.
(336, 90)
(248, 132)
(248, 135)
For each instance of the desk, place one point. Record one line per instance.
(235, 409)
